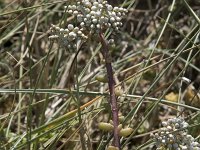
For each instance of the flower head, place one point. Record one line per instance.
(174, 135)
(67, 37)
(95, 15)
(91, 16)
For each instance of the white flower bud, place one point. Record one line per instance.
(169, 128)
(82, 24)
(92, 13)
(95, 3)
(111, 41)
(112, 19)
(84, 37)
(113, 14)
(100, 1)
(121, 9)
(85, 19)
(66, 31)
(101, 20)
(98, 14)
(100, 6)
(98, 26)
(118, 18)
(106, 19)
(94, 21)
(119, 14)
(105, 2)
(93, 17)
(88, 16)
(87, 10)
(79, 32)
(164, 123)
(70, 11)
(109, 7)
(75, 12)
(76, 29)
(70, 27)
(57, 28)
(69, 46)
(53, 37)
(62, 30)
(72, 36)
(92, 26)
(94, 8)
(73, 7)
(69, 7)
(79, 17)
(88, 4)
(116, 9)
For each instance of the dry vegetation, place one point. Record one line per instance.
(156, 65)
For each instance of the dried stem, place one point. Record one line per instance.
(111, 84)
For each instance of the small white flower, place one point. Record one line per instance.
(70, 11)
(76, 29)
(100, 1)
(111, 41)
(79, 18)
(88, 16)
(88, 4)
(92, 13)
(57, 28)
(95, 3)
(73, 7)
(92, 26)
(71, 36)
(79, 33)
(109, 7)
(94, 21)
(69, 46)
(94, 8)
(62, 30)
(98, 13)
(85, 19)
(70, 27)
(100, 6)
(75, 12)
(82, 24)
(116, 9)
(98, 26)
(112, 19)
(87, 10)
(66, 31)
(53, 37)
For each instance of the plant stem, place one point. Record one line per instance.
(111, 84)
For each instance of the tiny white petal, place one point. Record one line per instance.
(70, 27)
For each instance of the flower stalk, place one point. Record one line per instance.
(93, 17)
(111, 85)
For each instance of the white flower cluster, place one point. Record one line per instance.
(95, 15)
(91, 16)
(174, 136)
(67, 37)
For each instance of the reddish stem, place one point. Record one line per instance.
(111, 84)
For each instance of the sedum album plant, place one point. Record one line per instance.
(91, 17)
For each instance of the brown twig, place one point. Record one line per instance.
(111, 84)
